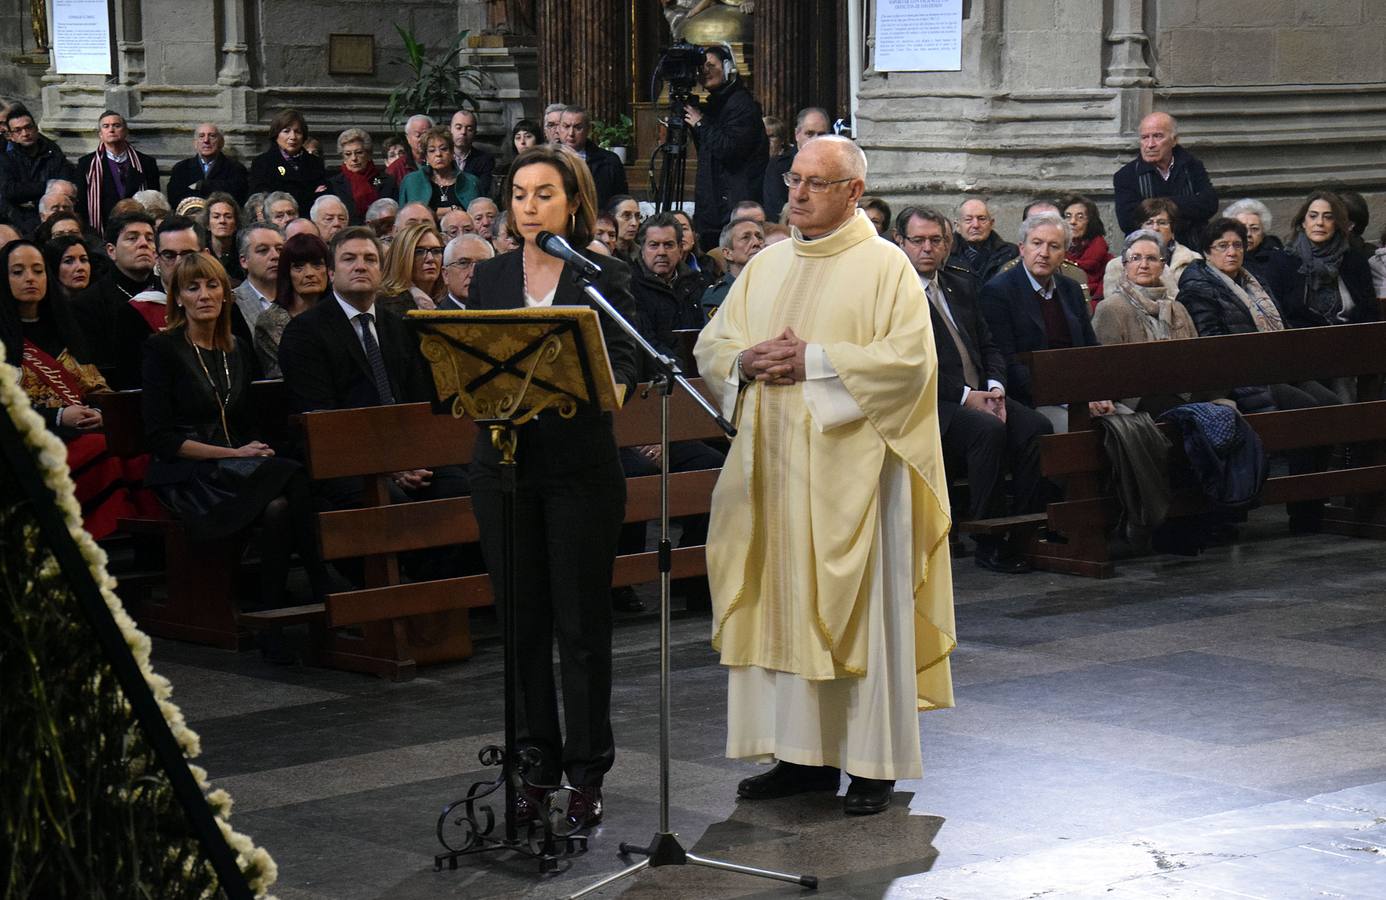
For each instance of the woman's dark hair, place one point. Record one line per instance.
(51, 309)
(11, 333)
(1095, 226)
(1359, 214)
(53, 252)
(879, 206)
(283, 119)
(1341, 224)
(1217, 228)
(528, 125)
(299, 249)
(44, 233)
(613, 203)
(577, 183)
(1150, 207)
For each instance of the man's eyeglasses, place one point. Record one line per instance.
(933, 240)
(463, 264)
(792, 180)
(174, 255)
(23, 129)
(421, 252)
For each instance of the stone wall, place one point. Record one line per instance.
(21, 65)
(1276, 97)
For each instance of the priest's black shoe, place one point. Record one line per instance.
(787, 779)
(998, 557)
(867, 796)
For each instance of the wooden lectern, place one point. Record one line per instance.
(502, 368)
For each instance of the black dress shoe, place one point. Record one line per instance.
(787, 779)
(624, 599)
(867, 796)
(994, 556)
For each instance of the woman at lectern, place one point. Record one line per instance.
(570, 493)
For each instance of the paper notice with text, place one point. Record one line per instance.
(918, 36)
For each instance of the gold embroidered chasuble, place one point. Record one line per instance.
(793, 529)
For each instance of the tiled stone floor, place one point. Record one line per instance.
(1209, 728)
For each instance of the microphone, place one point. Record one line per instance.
(554, 245)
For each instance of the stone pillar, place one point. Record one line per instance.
(1127, 66)
(129, 42)
(234, 71)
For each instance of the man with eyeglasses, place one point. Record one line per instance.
(980, 426)
(812, 122)
(28, 163)
(208, 170)
(460, 257)
(979, 248)
(729, 131)
(828, 551)
(1163, 168)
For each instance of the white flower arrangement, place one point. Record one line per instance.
(255, 862)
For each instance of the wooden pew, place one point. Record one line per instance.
(201, 577)
(391, 626)
(1079, 375)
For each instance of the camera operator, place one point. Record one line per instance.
(729, 132)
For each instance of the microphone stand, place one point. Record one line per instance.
(664, 848)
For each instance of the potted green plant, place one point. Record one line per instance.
(614, 136)
(439, 86)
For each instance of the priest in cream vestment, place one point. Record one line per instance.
(827, 550)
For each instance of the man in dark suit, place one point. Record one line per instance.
(113, 172)
(471, 158)
(608, 172)
(1033, 307)
(346, 353)
(980, 426)
(207, 170)
(977, 247)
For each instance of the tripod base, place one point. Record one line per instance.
(665, 850)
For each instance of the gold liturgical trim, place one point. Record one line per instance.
(512, 364)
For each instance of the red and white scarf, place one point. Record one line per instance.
(95, 177)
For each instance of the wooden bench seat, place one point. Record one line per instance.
(1079, 375)
(391, 626)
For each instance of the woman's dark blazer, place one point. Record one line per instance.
(550, 442)
(305, 179)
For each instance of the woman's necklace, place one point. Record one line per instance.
(222, 402)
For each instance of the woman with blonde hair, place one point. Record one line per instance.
(208, 466)
(413, 277)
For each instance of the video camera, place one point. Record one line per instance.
(679, 67)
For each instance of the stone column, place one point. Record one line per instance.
(234, 71)
(129, 42)
(1127, 66)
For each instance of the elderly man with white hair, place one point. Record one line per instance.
(483, 211)
(330, 214)
(827, 551)
(60, 196)
(208, 170)
(414, 130)
(1164, 169)
(1033, 307)
(460, 257)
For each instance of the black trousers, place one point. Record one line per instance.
(566, 528)
(986, 447)
(1305, 395)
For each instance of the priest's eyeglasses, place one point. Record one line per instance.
(792, 180)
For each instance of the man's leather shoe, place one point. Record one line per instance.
(867, 796)
(787, 779)
(994, 556)
(574, 809)
(529, 803)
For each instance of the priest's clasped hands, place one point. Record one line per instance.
(779, 360)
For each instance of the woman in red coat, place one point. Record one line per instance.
(1088, 251)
